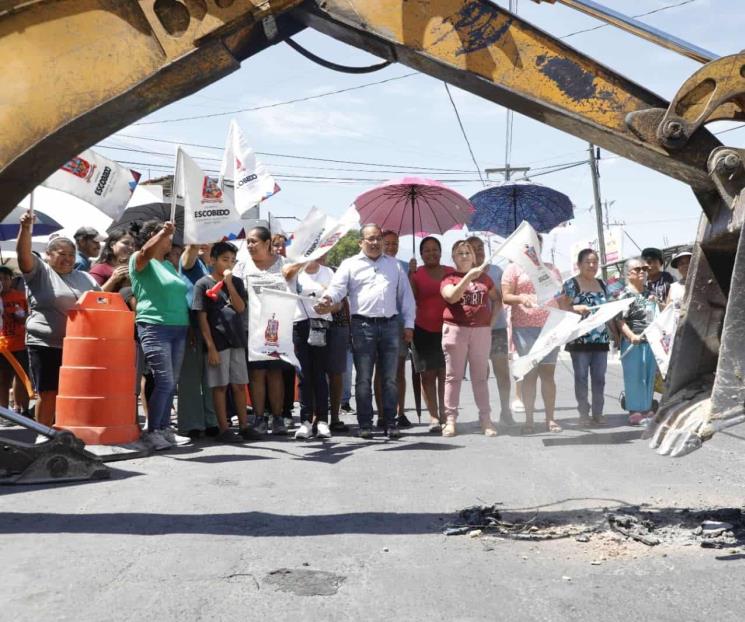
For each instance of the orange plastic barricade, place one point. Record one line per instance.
(96, 398)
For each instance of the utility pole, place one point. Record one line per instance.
(507, 171)
(593, 161)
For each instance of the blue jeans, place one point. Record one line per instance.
(596, 363)
(163, 346)
(375, 342)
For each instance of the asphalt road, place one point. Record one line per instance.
(352, 530)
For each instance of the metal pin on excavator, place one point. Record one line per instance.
(83, 70)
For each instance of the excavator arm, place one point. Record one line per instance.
(79, 71)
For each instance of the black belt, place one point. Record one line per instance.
(373, 320)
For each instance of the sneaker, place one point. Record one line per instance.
(278, 426)
(260, 425)
(228, 436)
(289, 422)
(599, 420)
(211, 431)
(250, 434)
(365, 433)
(380, 423)
(403, 421)
(156, 440)
(584, 421)
(346, 408)
(175, 439)
(393, 432)
(304, 432)
(518, 406)
(323, 430)
(338, 426)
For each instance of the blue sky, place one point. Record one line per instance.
(410, 122)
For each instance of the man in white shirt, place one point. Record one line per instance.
(379, 292)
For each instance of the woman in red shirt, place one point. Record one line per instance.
(466, 335)
(429, 360)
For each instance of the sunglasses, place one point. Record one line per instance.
(640, 269)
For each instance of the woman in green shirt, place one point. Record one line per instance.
(162, 317)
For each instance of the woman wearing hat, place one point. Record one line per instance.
(680, 262)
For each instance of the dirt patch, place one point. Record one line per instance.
(305, 582)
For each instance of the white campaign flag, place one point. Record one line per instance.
(660, 335)
(96, 180)
(252, 181)
(319, 233)
(270, 317)
(557, 331)
(209, 216)
(562, 327)
(524, 249)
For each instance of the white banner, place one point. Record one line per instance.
(270, 318)
(557, 331)
(209, 216)
(660, 334)
(96, 180)
(319, 233)
(524, 249)
(252, 181)
(562, 327)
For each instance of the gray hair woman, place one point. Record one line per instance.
(637, 359)
(53, 287)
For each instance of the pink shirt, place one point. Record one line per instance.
(429, 302)
(517, 281)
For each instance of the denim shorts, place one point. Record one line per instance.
(525, 336)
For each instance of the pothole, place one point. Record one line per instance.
(715, 528)
(304, 581)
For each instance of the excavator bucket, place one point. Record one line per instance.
(62, 458)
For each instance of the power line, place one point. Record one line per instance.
(657, 10)
(298, 157)
(465, 136)
(277, 104)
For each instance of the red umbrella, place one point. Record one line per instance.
(412, 205)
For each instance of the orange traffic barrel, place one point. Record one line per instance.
(96, 397)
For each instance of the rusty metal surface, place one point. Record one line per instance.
(486, 50)
(82, 70)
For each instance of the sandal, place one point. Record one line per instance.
(449, 429)
(489, 430)
(435, 427)
(554, 427)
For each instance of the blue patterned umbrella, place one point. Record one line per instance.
(500, 209)
(10, 225)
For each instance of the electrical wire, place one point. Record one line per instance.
(657, 10)
(465, 136)
(278, 104)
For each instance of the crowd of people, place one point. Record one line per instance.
(191, 307)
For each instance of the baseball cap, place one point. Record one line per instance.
(89, 232)
(679, 256)
(652, 253)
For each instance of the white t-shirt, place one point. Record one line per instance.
(312, 285)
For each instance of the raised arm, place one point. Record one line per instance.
(23, 244)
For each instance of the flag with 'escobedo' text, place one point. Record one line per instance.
(660, 335)
(561, 327)
(270, 317)
(318, 234)
(97, 180)
(209, 215)
(252, 181)
(524, 249)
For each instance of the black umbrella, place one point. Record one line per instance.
(152, 211)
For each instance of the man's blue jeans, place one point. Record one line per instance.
(375, 341)
(163, 346)
(595, 363)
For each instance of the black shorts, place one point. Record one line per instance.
(427, 350)
(337, 340)
(7, 369)
(44, 364)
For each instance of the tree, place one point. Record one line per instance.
(346, 247)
